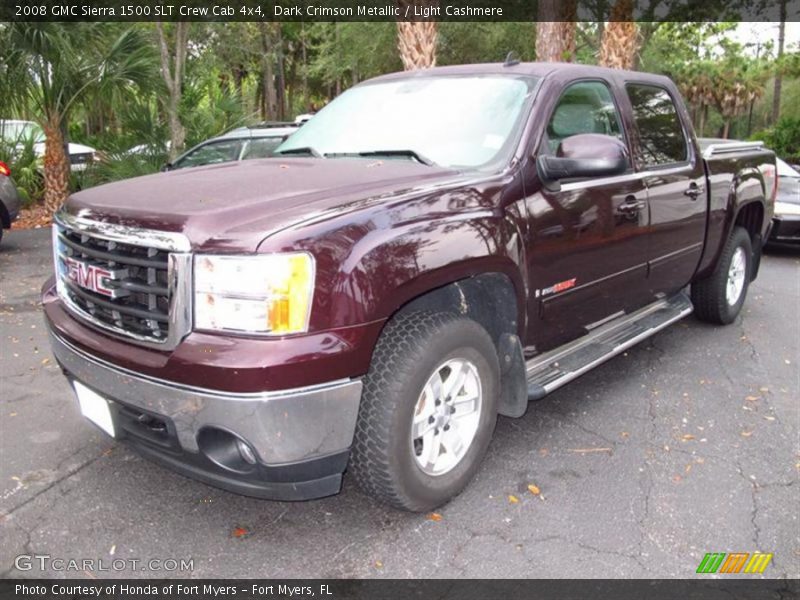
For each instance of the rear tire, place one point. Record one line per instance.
(719, 297)
(388, 460)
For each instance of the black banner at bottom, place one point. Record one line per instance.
(397, 589)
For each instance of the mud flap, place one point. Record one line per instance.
(514, 388)
(758, 246)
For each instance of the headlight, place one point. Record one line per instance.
(257, 294)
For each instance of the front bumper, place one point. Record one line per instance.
(785, 230)
(301, 437)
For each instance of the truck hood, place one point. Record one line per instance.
(234, 206)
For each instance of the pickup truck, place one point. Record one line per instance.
(431, 250)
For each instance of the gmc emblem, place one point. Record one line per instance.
(92, 277)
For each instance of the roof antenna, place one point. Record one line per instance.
(511, 59)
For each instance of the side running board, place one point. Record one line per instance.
(553, 369)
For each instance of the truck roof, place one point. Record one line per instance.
(535, 69)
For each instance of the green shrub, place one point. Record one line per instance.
(116, 166)
(783, 138)
(26, 169)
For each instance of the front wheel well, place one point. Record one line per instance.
(489, 299)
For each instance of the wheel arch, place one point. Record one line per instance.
(750, 216)
(494, 301)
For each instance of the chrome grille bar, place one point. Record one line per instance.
(130, 283)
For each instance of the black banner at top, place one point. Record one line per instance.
(389, 10)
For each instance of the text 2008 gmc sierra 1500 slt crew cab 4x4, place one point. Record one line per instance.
(431, 250)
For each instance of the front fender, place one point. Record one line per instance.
(386, 270)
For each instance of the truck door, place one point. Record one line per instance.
(675, 180)
(587, 250)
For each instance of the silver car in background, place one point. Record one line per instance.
(18, 132)
(242, 143)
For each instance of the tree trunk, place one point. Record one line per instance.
(177, 132)
(416, 40)
(306, 104)
(703, 113)
(620, 37)
(269, 106)
(555, 30)
(56, 168)
(280, 80)
(776, 97)
(726, 129)
(173, 62)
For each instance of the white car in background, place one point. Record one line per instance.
(17, 132)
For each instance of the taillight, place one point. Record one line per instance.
(4, 170)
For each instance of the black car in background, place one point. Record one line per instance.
(786, 222)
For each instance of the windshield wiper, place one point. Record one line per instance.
(389, 153)
(303, 150)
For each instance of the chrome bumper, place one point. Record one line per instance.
(283, 427)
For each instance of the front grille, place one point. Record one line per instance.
(121, 284)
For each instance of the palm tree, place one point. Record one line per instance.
(173, 64)
(620, 37)
(50, 68)
(555, 30)
(416, 40)
(776, 97)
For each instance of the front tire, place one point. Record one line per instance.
(428, 410)
(719, 297)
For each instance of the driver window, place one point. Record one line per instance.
(584, 107)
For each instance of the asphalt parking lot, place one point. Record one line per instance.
(686, 444)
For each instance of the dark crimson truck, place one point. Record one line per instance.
(430, 251)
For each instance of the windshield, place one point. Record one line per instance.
(21, 130)
(465, 122)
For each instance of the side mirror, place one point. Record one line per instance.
(584, 155)
(166, 167)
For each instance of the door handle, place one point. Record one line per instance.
(630, 206)
(694, 191)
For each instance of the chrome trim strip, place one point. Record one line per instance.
(731, 148)
(163, 240)
(179, 275)
(589, 183)
(656, 262)
(173, 386)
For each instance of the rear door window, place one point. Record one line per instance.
(661, 137)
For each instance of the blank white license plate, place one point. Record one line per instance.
(95, 408)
